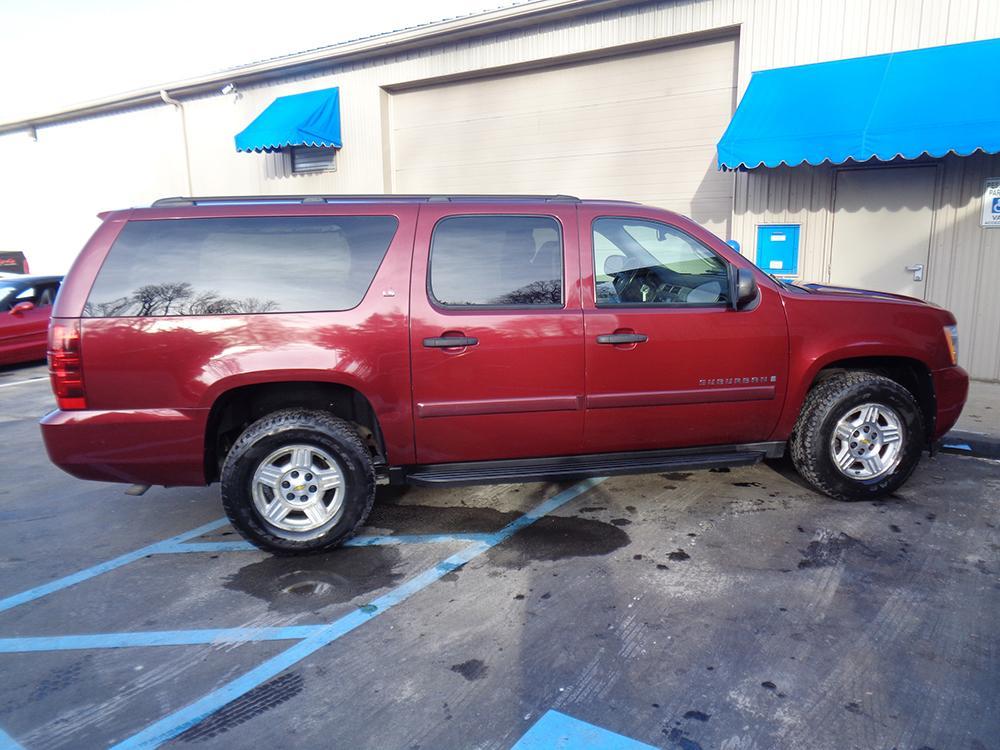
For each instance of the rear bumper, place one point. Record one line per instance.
(147, 446)
(951, 388)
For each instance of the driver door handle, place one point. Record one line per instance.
(622, 338)
(450, 342)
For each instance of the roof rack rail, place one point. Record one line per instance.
(241, 200)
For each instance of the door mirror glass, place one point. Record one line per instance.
(746, 289)
(21, 308)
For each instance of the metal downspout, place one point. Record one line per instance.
(187, 154)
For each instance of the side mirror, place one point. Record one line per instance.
(746, 292)
(21, 308)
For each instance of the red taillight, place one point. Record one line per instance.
(66, 364)
(27, 268)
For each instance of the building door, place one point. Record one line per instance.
(640, 126)
(882, 228)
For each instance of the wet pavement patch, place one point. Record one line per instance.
(828, 550)
(432, 519)
(259, 700)
(557, 538)
(679, 555)
(697, 715)
(473, 669)
(680, 740)
(303, 584)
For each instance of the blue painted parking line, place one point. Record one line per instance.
(7, 742)
(181, 543)
(154, 638)
(177, 722)
(388, 540)
(557, 731)
(391, 540)
(96, 570)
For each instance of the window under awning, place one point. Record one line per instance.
(932, 101)
(309, 119)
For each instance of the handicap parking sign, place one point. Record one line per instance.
(991, 203)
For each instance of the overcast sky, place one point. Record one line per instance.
(59, 52)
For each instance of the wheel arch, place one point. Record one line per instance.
(911, 373)
(237, 407)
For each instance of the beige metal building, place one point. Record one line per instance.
(597, 98)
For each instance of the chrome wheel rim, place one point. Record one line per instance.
(298, 490)
(868, 442)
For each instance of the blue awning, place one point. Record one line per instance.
(932, 101)
(309, 119)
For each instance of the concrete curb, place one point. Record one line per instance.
(971, 444)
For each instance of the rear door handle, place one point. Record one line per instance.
(622, 338)
(450, 342)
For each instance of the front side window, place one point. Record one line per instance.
(640, 262)
(7, 294)
(497, 261)
(240, 265)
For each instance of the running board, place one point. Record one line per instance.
(598, 465)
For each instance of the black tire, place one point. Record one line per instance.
(824, 407)
(316, 429)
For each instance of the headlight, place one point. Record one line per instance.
(951, 336)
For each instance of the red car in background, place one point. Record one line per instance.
(25, 307)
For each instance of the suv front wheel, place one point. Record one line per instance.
(859, 436)
(298, 481)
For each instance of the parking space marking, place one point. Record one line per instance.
(22, 382)
(154, 638)
(96, 570)
(177, 722)
(180, 543)
(557, 730)
(7, 742)
(358, 541)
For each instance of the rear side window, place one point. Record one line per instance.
(497, 261)
(240, 265)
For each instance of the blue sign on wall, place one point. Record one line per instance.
(778, 248)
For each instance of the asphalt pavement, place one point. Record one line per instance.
(728, 609)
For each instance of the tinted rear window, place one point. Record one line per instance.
(497, 261)
(240, 265)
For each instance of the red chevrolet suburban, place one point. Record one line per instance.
(302, 350)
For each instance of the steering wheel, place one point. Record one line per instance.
(629, 284)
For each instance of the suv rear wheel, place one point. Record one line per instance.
(859, 436)
(298, 481)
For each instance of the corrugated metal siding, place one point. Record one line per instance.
(115, 161)
(964, 261)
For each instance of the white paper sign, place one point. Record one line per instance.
(991, 203)
(775, 265)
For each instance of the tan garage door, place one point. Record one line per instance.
(636, 127)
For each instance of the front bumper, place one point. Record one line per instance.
(951, 388)
(141, 446)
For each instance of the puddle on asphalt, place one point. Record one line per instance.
(557, 538)
(301, 584)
